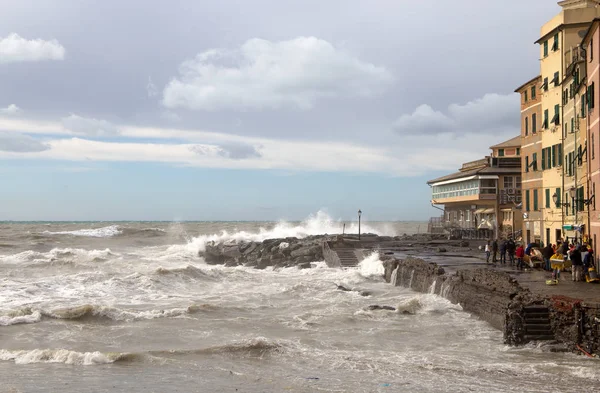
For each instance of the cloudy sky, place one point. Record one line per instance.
(262, 109)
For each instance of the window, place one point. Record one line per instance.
(518, 182)
(572, 124)
(526, 126)
(555, 43)
(593, 148)
(559, 154)
(535, 200)
(467, 215)
(533, 123)
(555, 79)
(534, 163)
(526, 163)
(533, 92)
(594, 193)
(591, 51)
(500, 152)
(579, 156)
(518, 151)
(582, 106)
(589, 96)
(545, 48)
(543, 159)
(545, 123)
(545, 85)
(556, 117)
(525, 96)
(557, 192)
(527, 200)
(508, 182)
(547, 198)
(553, 154)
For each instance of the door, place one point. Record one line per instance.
(558, 235)
(548, 241)
(528, 237)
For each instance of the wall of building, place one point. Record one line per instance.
(593, 121)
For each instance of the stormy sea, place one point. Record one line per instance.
(131, 307)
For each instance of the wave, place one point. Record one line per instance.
(87, 311)
(371, 266)
(64, 356)
(252, 347)
(58, 256)
(108, 231)
(317, 224)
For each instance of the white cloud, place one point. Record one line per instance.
(492, 113)
(15, 48)
(19, 143)
(89, 126)
(170, 116)
(12, 109)
(415, 155)
(263, 74)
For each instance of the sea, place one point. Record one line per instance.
(131, 307)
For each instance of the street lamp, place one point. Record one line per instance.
(359, 214)
(555, 200)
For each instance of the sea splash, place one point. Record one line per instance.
(317, 224)
(371, 266)
(109, 231)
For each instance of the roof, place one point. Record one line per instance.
(514, 142)
(590, 30)
(528, 82)
(488, 170)
(559, 28)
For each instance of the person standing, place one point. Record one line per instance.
(520, 253)
(547, 253)
(503, 252)
(487, 252)
(495, 251)
(577, 264)
(510, 247)
(588, 261)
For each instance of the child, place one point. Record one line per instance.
(520, 254)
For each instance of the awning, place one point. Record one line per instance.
(484, 210)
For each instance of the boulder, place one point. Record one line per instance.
(305, 265)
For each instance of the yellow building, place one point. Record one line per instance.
(557, 41)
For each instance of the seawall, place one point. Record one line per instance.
(497, 297)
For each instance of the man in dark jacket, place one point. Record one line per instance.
(577, 264)
(510, 248)
(503, 252)
(547, 253)
(495, 250)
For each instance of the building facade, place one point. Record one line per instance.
(561, 122)
(531, 151)
(482, 199)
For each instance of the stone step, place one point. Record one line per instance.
(539, 337)
(538, 329)
(537, 321)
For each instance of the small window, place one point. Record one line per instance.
(555, 43)
(593, 147)
(526, 126)
(534, 161)
(535, 200)
(545, 123)
(547, 201)
(500, 152)
(555, 79)
(591, 51)
(533, 123)
(545, 85)
(545, 48)
(556, 118)
(533, 92)
(518, 151)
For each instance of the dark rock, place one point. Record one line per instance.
(343, 288)
(377, 307)
(305, 265)
(441, 249)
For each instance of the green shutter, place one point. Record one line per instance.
(526, 163)
(555, 44)
(526, 126)
(533, 92)
(545, 118)
(558, 192)
(553, 150)
(582, 106)
(535, 200)
(547, 197)
(527, 200)
(559, 153)
(545, 48)
(533, 123)
(549, 157)
(543, 159)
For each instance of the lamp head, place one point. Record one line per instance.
(359, 212)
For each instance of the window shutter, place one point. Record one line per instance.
(558, 197)
(527, 200)
(526, 163)
(553, 149)
(547, 197)
(543, 159)
(560, 158)
(533, 123)
(535, 200)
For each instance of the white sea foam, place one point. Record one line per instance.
(318, 224)
(57, 255)
(16, 319)
(109, 231)
(59, 356)
(371, 266)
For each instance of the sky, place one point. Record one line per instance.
(252, 110)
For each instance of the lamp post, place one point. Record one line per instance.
(359, 214)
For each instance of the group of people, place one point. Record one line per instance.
(580, 255)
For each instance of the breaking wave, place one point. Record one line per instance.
(58, 255)
(31, 315)
(318, 224)
(108, 231)
(251, 347)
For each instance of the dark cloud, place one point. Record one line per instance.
(20, 143)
